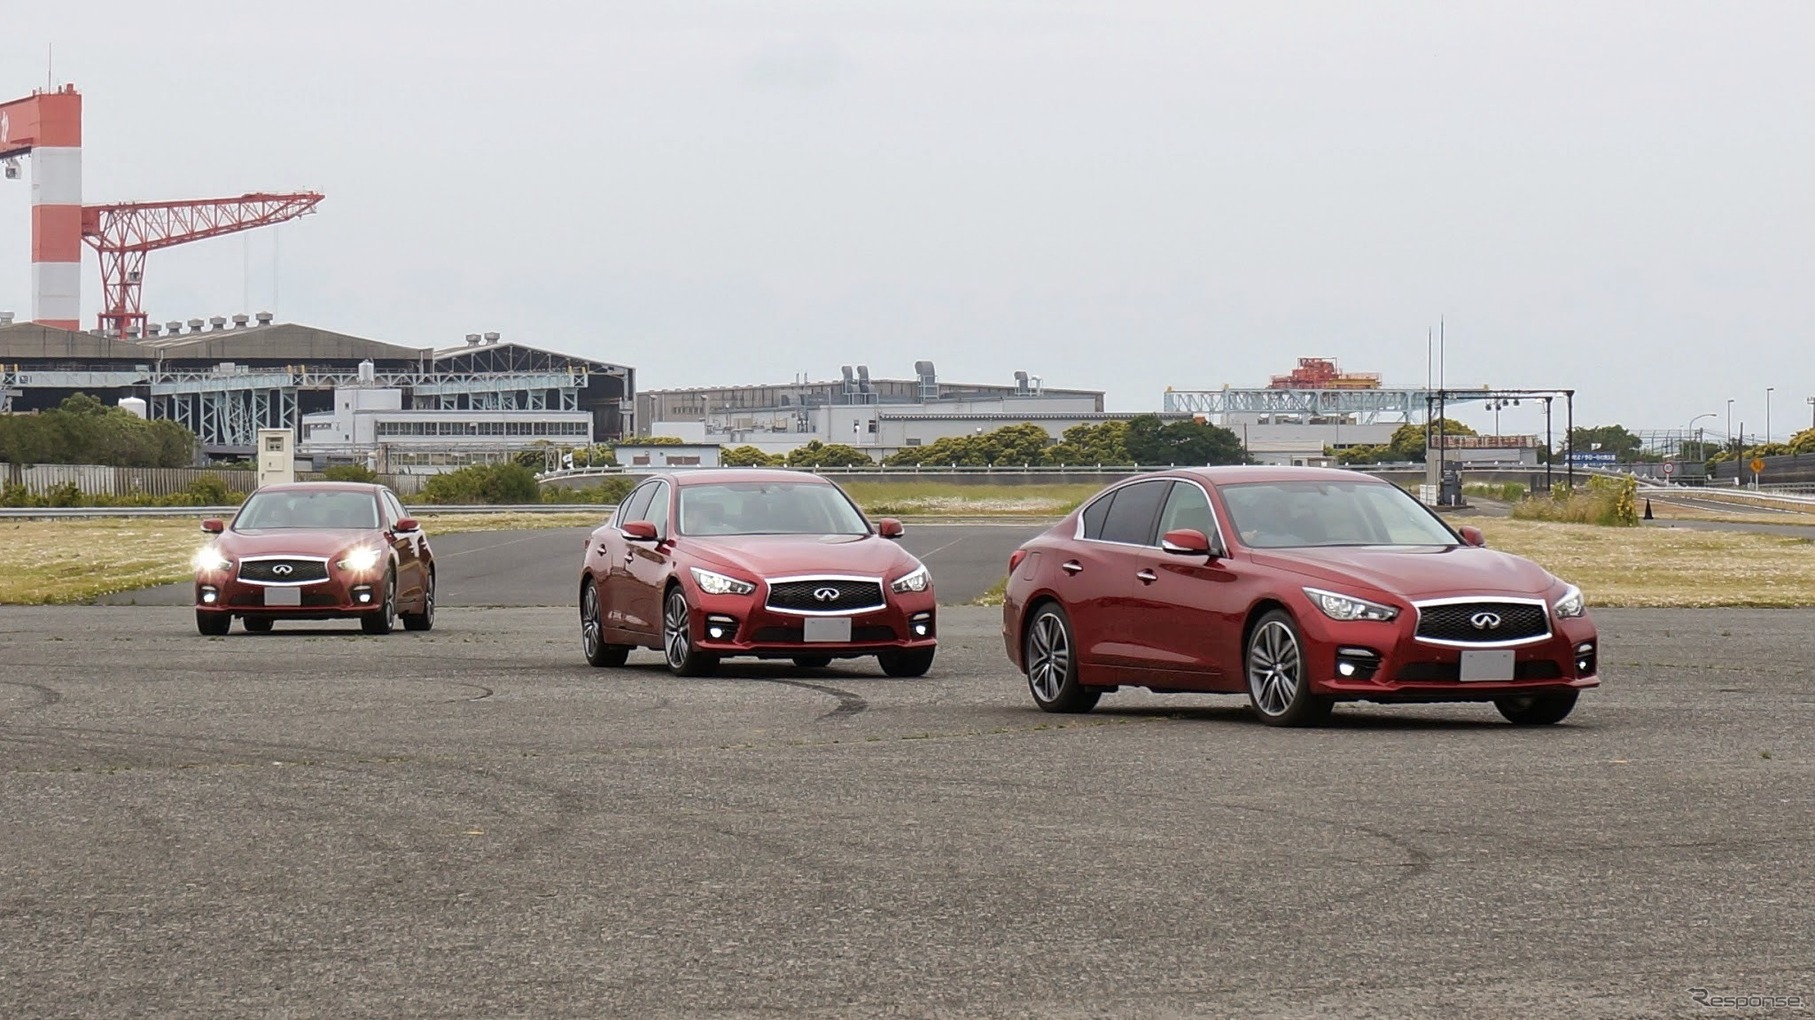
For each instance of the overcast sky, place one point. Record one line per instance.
(1613, 197)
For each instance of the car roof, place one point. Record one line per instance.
(711, 476)
(366, 487)
(1233, 474)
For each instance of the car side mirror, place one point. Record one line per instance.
(639, 531)
(889, 527)
(1473, 537)
(405, 525)
(1188, 542)
(214, 525)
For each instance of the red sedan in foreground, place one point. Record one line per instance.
(1301, 587)
(772, 564)
(316, 551)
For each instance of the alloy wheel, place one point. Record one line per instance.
(590, 626)
(675, 641)
(1049, 657)
(1274, 667)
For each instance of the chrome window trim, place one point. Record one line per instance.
(1216, 519)
(1418, 621)
(323, 560)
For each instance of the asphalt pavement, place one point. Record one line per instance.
(473, 823)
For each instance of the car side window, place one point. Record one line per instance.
(633, 507)
(1187, 507)
(1135, 512)
(392, 506)
(657, 511)
(1094, 515)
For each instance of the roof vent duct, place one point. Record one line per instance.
(491, 338)
(218, 321)
(6, 318)
(264, 318)
(472, 339)
(153, 329)
(195, 325)
(1021, 388)
(240, 320)
(173, 327)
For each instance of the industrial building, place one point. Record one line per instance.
(347, 397)
(879, 416)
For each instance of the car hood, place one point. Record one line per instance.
(1415, 572)
(325, 542)
(754, 556)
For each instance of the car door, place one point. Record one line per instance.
(1107, 598)
(613, 563)
(412, 576)
(1196, 628)
(646, 565)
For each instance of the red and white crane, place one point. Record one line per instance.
(48, 127)
(122, 234)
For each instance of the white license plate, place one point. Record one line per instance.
(283, 596)
(828, 628)
(1487, 665)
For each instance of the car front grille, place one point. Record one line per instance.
(825, 595)
(281, 571)
(1483, 622)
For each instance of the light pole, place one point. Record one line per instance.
(1768, 390)
(1812, 412)
(1699, 452)
(1730, 425)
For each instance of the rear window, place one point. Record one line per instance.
(1132, 515)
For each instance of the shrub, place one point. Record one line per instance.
(1610, 502)
(350, 473)
(608, 491)
(509, 482)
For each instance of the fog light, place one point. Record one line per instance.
(715, 633)
(209, 595)
(921, 624)
(1357, 663)
(1585, 658)
(920, 630)
(720, 628)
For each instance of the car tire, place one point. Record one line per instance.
(1049, 651)
(383, 619)
(677, 638)
(592, 630)
(258, 624)
(906, 662)
(424, 620)
(213, 624)
(1537, 709)
(812, 661)
(1279, 688)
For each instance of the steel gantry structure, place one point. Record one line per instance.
(1365, 406)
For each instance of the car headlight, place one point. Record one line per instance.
(1572, 603)
(361, 559)
(208, 558)
(918, 580)
(1348, 607)
(718, 584)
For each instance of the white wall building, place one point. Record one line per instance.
(369, 424)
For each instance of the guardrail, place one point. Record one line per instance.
(77, 512)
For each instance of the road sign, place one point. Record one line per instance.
(1582, 458)
(1757, 465)
(1669, 468)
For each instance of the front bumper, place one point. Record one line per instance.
(734, 625)
(1384, 661)
(343, 594)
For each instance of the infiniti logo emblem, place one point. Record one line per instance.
(282, 570)
(1485, 621)
(826, 594)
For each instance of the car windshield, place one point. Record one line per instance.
(768, 508)
(1290, 515)
(307, 508)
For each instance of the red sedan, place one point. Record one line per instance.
(316, 551)
(772, 564)
(1301, 587)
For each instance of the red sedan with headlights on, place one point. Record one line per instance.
(773, 564)
(316, 551)
(1300, 587)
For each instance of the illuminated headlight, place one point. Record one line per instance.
(361, 559)
(919, 580)
(1572, 603)
(718, 584)
(1348, 607)
(208, 558)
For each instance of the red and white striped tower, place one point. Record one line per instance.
(48, 125)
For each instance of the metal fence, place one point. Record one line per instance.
(101, 480)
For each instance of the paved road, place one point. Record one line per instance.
(470, 823)
(541, 568)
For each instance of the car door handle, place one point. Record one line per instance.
(1072, 567)
(1147, 576)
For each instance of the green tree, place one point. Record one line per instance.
(817, 455)
(749, 456)
(1153, 442)
(350, 473)
(508, 482)
(1102, 443)
(1613, 439)
(1409, 440)
(1803, 442)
